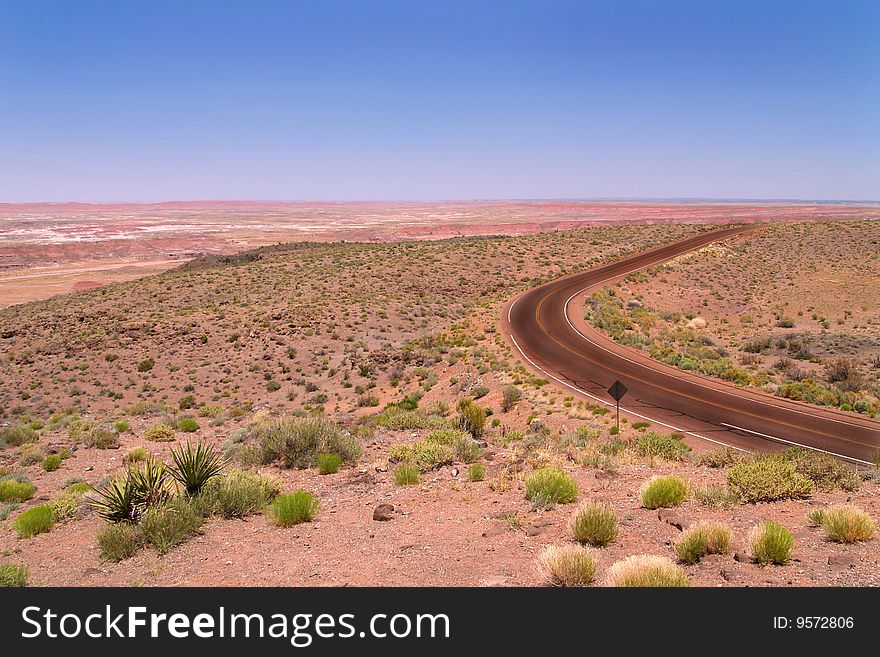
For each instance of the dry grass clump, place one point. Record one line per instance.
(844, 523)
(769, 543)
(703, 538)
(646, 570)
(594, 524)
(663, 491)
(567, 565)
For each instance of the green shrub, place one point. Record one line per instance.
(168, 524)
(196, 466)
(78, 488)
(767, 479)
(846, 523)
(770, 542)
(289, 510)
(146, 365)
(122, 426)
(399, 420)
(17, 435)
(12, 576)
(7, 509)
(64, 505)
(703, 538)
(663, 491)
(471, 417)
(119, 541)
(51, 463)
(424, 454)
(720, 458)
(296, 442)
(510, 395)
(646, 570)
(188, 425)
(406, 475)
(137, 454)
(36, 520)
(479, 392)
(550, 486)
(669, 447)
(16, 491)
(567, 565)
(594, 524)
(825, 471)
(715, 496)
(329, 463)
(476, 472)
(238, 493)
(100, 438)
(160, 433)
(30, 455)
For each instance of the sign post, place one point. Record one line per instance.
(617, 391)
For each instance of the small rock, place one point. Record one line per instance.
(606, 474)
(742, 558)
(383, 512)
(454, 472)
(669, 516)
(534, 529)
(495, 530)
(842, 562)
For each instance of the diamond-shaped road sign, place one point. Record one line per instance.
(617, 390)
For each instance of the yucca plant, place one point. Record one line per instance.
(195, 466)
(125, 497)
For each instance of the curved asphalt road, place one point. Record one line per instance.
(548, 332)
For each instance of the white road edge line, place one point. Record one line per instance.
(791, 442)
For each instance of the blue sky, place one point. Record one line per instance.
(116, 100)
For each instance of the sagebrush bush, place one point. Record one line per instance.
(424, 454)
(17, 435)
(160, 433)
(669, 447)
(845, 523)
(703, 538)
(13, 576)
(646, 570)
(329, 463)
(510, 395)
(119, 541)
(767, 479)
(293, 509)
(296, 442)
(825, 471)
(36, 520)
(471, 417)
(595, 524)
(51, 463)
(16, 491)
(770, 542)
(101, 438)
(550, 485)
(238, 493)
(567, 565)
(406, 475)
(476, 472)
(168, 524)
(663, 491)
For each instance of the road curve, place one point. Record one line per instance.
(546, 329)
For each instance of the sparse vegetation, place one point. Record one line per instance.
(160, 433)
(13, 576)
(329, 463)
(406, 475)
(703, 538)
(845, 523)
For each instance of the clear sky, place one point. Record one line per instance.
(365, 99)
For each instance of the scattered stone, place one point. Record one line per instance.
(383, 512)
(669, 516)
(842, 562)
(495, 530)
(454, 472)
